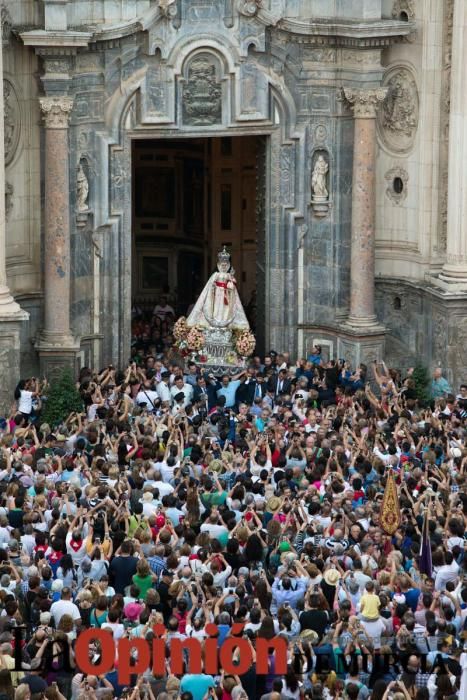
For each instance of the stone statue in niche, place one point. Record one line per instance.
(318, 179)
(202, 94)
(82, 190)
(319, 189)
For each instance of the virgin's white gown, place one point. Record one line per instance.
(219, 305)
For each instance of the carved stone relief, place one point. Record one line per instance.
(398, 118)
(403, 8)
(9, 190)
(202, 93)
(12, 120)
(6, 24)
(444, 125)
(397, 179)
(439, 336)
(167, 8)
(249, 8)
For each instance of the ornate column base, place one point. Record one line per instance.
(56, 352)
(10, 373)
(9, 309)
(342, 341)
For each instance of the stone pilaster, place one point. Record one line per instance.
(11, 315)
(362, 267)
(56, 344)
(454, 273)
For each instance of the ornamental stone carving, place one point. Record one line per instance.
(11, 119)
(403, 9)
(9, 190)
(6, 23)
(168, 8)
(56, 111)
(398, 119)
(365, 103)
(397, 179)
(82, 190)
(249, 8)
(202, 93)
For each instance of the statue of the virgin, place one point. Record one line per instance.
(219, 305)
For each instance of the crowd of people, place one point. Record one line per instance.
(251, 501)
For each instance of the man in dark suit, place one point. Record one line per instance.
(205, 391)
(279, 384)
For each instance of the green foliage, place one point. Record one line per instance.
(62, 399)
(422, 379)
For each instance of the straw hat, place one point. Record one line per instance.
(273, 504)
(332, 576)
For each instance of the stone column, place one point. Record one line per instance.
(362, 265)
(455, 269)
(11, 315)
(56, 346)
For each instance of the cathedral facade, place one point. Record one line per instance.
(322, 141)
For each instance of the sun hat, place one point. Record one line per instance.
(132, 611)
(332, 576)
(273, 504)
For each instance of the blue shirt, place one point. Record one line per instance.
(229, 392)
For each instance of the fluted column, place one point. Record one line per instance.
(362, 266)
(455, 269)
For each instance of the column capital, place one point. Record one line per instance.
(365, 103)
(56, 111)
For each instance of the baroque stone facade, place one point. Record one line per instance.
(308, 79)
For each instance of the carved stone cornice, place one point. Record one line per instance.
(365, 103)
(56, 111)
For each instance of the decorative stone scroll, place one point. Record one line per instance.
(398, 120)
(365, 103)
(11, 120)
(249, 8)
(202, 93)
(56, 111)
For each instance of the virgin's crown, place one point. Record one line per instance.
(223, 256)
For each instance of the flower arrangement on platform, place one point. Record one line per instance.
(195, 339)
(245, 343)
(181, 329)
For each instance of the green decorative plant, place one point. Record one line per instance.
(422, 379)
(62, 399)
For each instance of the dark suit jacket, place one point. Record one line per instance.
(286, 385)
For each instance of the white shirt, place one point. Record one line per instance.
(163, 391)
(186, 390)
(147, 396)
(64, 607)
(25, 401)
(446, 573)
(214, 530)
(163, 488)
